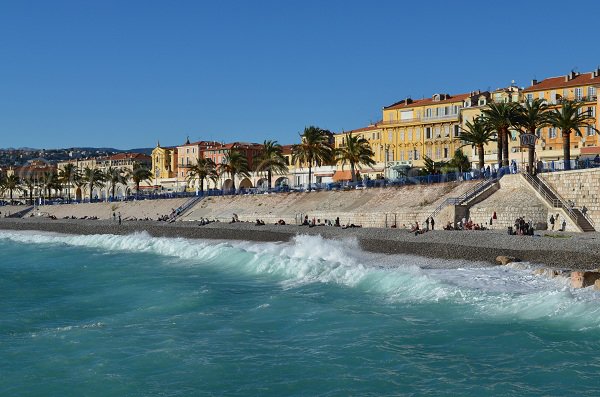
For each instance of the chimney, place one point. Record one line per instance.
(596, 73)
(534, 82)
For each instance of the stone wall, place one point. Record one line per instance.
(376, 207)
(582, 187)
(515, 198)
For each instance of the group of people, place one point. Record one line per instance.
(554, 221)
(464, 225)
(522, 228)
(326, 222)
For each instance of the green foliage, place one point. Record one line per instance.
(271, 160)
(313, 150)
(234, 163)
(356, 152)
(203, 169)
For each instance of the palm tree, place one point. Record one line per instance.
(93, 178)
(272, 160)
(500, 117)
(314, 149)
(11, 183)
(531, 116)
(477, 134)
(139, 174)
(234, 163)
(30, 182)
(114, 176)
(67, 176)
(203, 169)
(569, 118)
(49, 181)
(357, 152)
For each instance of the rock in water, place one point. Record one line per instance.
(505, 260)
(584, 279)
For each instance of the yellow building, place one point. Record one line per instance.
(573, 86)
(430, 127)
(164, 162)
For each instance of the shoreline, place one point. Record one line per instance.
(575, 252)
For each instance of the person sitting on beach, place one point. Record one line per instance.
(305, 222)
(415, 228)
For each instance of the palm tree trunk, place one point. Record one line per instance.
(505, 147)
(202, 186)
(567, 149)
(481, 156)
(499, 156)
(233, 181)
(353, 172)
(309, 176)
(269, 179)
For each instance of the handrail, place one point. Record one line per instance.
(555, 201)
(472, 192)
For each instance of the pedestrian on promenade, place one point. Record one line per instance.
(119, 218)
(551, 222)
(427, 223)
(432, 224)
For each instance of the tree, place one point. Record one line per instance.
(30, 182)
(203, 169)
(356, 152)
(67, 176)
(477, 134)
(49, 180)
(114, 176)
(431, 167)
(460, 162)
(93, 178)
(500, 117)
(11, 183)
(234, 163)
(314, 149)
(139, 174)
(271, 160)
(531, 116)
(570, 117)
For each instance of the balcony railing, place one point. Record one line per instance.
(445, 117)
(403, 121)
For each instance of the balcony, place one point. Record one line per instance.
(404, 121)
(441, 118)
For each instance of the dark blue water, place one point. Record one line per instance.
(139, 316)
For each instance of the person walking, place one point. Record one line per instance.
(427, 224)
(432, 223)
(119, 218)
(551, 222)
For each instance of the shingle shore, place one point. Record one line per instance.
(578, 251)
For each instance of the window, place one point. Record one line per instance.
(529, 97)
(590, 130)
(590, 111)
(417, 133)
(455, 109)
(428, 132)
(437, 132)
(541, 95)
(390, 136)
(551, 132)
(402, 136)
(416, 154)
(578, 93)
(553, 97)
(591, 92)
(446, 130)
(438, 153)
(481, 102)
(565, 93)
(539, 132)
(446, 152)
(402, 155)
(429, 152)
(410, 134)
(456, 131)
(410, 153)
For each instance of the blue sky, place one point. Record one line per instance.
(128, 73)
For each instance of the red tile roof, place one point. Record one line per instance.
(427, 101)
(560, 82)
(127, 156)
(364, 129)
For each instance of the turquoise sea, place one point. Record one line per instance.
(141, 316)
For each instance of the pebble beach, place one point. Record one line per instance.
(574, 251)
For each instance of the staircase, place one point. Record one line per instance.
(185, 207)
(555, 201)
(466, 196)
(20, 214)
